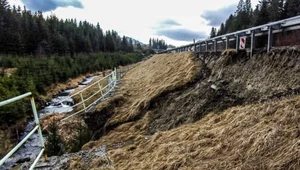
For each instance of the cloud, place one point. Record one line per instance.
(170, 22)
(181, 34)
(49, 5)
(216, 17)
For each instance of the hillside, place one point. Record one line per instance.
(199, 111)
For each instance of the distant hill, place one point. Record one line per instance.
(134, 41)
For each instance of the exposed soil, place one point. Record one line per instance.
(229, 80)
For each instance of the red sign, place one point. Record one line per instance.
(242, 42)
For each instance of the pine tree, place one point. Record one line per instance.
(263, 14)
(275, 10)
(150, 43)
(130, 46)
(55, 145)
(221, 31)
(229, 24)
(124, 44)
(213, 32)
(291, 8)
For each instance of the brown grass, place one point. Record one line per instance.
(254, 136)
(9, 71)
(141, 85)
(67, 129)
(70, 83)
(150, 79)
(261, 136)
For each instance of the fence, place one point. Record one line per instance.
(36, 128)
(97, 88)
(266, 29)
(111, 80)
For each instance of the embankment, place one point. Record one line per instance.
(202, 111)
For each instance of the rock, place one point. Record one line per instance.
(22, 160)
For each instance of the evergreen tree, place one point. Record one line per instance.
(150, 43)
(229, 24)
(221, 31)
(130, 46)
(124, 44)
(291, 8)
(263, 14)
(275, 9)
(213, 32)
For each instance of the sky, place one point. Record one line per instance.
(178, 23)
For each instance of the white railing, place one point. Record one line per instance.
(36, 128)
(112, 80)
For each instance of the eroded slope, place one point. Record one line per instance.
(140, 86)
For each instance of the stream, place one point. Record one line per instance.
(31, 148)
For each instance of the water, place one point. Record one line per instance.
(32, 146)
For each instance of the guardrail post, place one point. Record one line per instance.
(100, 88)
(37, 121)
(252, 43)
(206, 46)
(227, 42)
(215, 45)
(237, 42)
(82, 100)
(199, 46)
(270, 38)
(115, 77)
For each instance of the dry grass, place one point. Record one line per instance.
(255, 136)
(150, 79)
(262, 136)
(140, 86)
(70, 83)
(9, 71)
(67, 129)
(87, 93)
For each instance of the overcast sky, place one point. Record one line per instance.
(178, 23)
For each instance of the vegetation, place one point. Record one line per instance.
(266, 11)
(158, 44)
(54, 145)
(82, 137)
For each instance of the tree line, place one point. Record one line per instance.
(25, 33)
(157, 44)
(264, 12)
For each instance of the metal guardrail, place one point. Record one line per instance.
(288, 24)
(36, 128)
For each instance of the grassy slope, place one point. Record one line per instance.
(253, 135)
